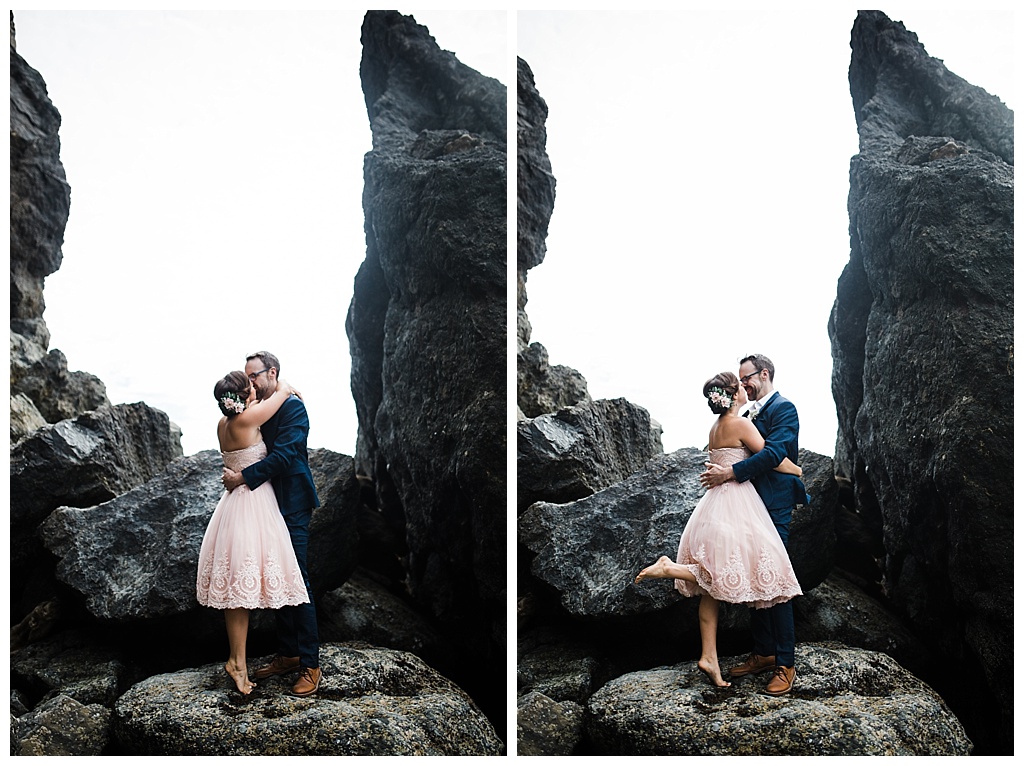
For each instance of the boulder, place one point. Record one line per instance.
(558, 667)
(543, 387)
(838, 611)
(78, 463)
(73, 664)
(844, 702)
(922, 342)
(58, 393)
(135, 556)
(427, 323)
(371, 702)
(25, 417)
(62, 726)
(364, 610)
(334, 539)
(88, 460)
(579, 450)
(546, 727)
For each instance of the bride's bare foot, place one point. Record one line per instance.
(240, 676)
(657, 570)
(713, 672)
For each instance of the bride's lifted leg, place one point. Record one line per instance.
(237, 621)
(665, 568)
(708, 662)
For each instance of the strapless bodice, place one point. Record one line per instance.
(726, 456)
(238, 459)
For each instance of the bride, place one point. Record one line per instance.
(730, 549)
(246, 560)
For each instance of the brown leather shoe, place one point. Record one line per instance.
(782, 681)
(276, 667)
(755, 663)
(309, 682)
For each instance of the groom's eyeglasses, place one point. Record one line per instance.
(744, 379)
(254, 375)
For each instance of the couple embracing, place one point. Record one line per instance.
(253, 554)
(734, 545)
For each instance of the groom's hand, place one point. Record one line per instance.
(231, 479)
(715, 475)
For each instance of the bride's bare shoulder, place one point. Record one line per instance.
(727, 433)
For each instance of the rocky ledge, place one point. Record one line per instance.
(371, 702)
(844, 702)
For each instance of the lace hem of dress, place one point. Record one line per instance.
(770, 585)
(247, 589)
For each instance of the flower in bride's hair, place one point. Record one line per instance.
(232, 403)
(720, 397)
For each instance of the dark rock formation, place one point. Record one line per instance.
(40, 202)
(590, 550)
(838, 611)
(427, 327)
(78, 463)
(40, 199)
(135, 556)
(334, 538)
(546, 727)
(844, 702)
(62, 726)
(541, 387)
(364, 610)
(922, 340)
(559, 667)
(371, 702)
(25, 417)
(579, 450)
(70, 665)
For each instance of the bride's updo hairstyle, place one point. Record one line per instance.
(720, 392)
(231, 393)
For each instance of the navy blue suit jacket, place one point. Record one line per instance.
(287, 461)
(778, 423)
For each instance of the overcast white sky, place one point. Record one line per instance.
(702, 162)
(216, 168)
(702, 158)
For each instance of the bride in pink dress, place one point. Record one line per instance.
(730, 549)
(246, 560)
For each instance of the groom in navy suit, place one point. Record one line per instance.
(775, 418)
(287, 465)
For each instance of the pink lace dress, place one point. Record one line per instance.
(732, 547)
(246, 559)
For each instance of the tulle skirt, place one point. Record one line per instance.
(733, 549)
(246, 559)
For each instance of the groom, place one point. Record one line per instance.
(287, 463)
(775, 418)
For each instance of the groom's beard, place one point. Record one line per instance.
(269, 391)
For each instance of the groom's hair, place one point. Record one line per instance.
(761, 362)
(267, 359)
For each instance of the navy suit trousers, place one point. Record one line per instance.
(773, 629)
(297, 632)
